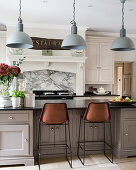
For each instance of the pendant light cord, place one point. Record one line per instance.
(123, 15)
(20, 10)
(74, 9)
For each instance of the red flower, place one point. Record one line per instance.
(4, 70)
(14, 70)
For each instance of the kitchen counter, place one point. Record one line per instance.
(71, 104)
(92, 95)
(22, 124)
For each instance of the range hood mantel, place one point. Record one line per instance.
(59, 63)
(39, 58)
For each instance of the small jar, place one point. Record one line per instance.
(21, 83)
(29, 100)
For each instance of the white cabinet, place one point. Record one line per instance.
(92, 63)
(14, 140)
(2, 46)
(16, 137)
(100, 63)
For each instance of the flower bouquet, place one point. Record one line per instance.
(7, 74)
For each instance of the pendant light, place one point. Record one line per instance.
(123, 43)
(73, 41)
(19, 39)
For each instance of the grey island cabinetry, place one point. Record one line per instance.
(125, 132)
(19, 129)
(16, 137)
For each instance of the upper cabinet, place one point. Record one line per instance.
(100, 62)
(2, 46)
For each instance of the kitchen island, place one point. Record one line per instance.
(18, 131)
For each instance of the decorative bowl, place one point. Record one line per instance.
(122, 103)
(104, 93)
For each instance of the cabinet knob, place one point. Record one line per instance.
(126, 134)
(57, 128)
(91, 127)
(95, 127)
(52, 129)
(10, 117)
(26, 140)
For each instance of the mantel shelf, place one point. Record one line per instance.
(40, 58)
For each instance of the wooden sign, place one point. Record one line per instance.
(46, 44)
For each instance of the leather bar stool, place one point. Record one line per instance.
(95, 113)
(55, 114)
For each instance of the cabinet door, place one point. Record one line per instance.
(14, 140)
(106, 56)
(98, 132)
(106, 64)
(126, 85)
(89, 135)
(92, 63)
(47, 134)
(129, 136)
(60, 133)
(2, 46)
(106, 76)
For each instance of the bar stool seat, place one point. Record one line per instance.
(95, 113)
(55, 114)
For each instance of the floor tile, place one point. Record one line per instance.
(92, 162)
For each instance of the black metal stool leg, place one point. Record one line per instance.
(104, 138)
(82, 161)
(84, 144)
(70, 163)
(78, 139)
(111, 142)
(66, 141)
(79, 146)
(39, 143)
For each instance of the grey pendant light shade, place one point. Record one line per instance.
(123, 43)
(73, 41)
(19, 39)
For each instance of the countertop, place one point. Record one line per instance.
(71, 104)
(94, 95)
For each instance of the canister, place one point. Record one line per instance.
(29, 100)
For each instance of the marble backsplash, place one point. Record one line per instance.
(50, 80)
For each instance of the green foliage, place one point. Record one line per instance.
(17, 94)
(20, 61)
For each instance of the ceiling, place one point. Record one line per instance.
(100, 15)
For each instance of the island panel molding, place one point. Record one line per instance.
(46, 44)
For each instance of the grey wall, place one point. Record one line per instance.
(49, 80)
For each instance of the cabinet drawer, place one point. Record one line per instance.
(129, 114)
(14, 117)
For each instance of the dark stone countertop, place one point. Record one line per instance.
(95, 95)
(71, 104)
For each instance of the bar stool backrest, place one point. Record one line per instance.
(97, 112)
(54, 113)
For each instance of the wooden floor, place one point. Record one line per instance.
(95, 162)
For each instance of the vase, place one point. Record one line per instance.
(4, 90)
(16, 102)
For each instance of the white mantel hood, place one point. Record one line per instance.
(40, 58)
(59, 63)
